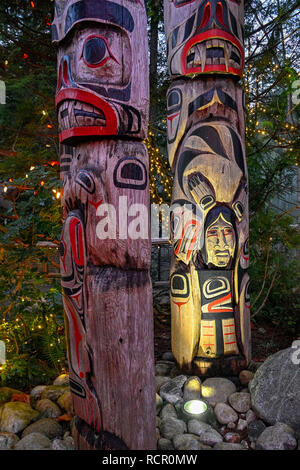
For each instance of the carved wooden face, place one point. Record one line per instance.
(220, 242)
(102, 85)
(191, 104)
(209, 40)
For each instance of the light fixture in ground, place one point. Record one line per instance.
(195, 407)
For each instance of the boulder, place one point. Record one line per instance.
(47, 426)
(217, 390)
(16, 416)
(65, 402)
(171, 391)
(240, 401)
(62, 379)
(63, 444)
(245, 376)
(36, 394)
(163, 367)
(207, 434)
(8, 440)
(165, 444)
(278, 437)
(255, 428)
(160, 380)
(225, 414)
(34, 441)
(188, 442)
(53, 392)
(48, 408)
(229, 446)
(275, 389)
(168, 411)
(170, 427)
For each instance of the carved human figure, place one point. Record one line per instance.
(209, 231)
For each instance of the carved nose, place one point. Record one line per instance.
(64, 74)
(213, 14)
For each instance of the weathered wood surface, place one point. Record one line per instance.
(102, 101)
(209, 222)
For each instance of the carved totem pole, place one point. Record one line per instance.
(209, 219)
(102, 103)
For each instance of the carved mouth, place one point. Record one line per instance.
(213, 51)
(81, 113)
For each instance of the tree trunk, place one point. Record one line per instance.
(102, 101)
(209, 281)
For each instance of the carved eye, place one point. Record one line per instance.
(228, 231)
(96, 52)
(212, 233)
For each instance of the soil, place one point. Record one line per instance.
(267, 338)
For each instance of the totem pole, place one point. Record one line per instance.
(209, 218)
(102, 103)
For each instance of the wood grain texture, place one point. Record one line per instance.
(105, 252)
(209, 220)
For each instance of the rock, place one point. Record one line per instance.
(245, 444)
(34, 441)
(179, 380)
(245, 377)
(207, 434)
(158, 421)
(65, 402)
(8, 440)
(170, 427)
(275, 389)
(228, 446)
(53, 392)
(217, 389)
(278, 437)
(47, 426)
(241, 425)
(62, 379)
(241, 402)
(36, 394)
(159, 403)
(188, 442)
(232, 437)
(48, 408)
(231, 426)
(168, 356)
(255, 428)
(66, 444)
(160, 380)
(171, 392)
(192, 389)
(16, 416)
(163, 367)
(165, 444)
(250, 416)
(225, 414)
(6, 393)
(168, 411)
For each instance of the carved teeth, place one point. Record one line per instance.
(227, 54)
